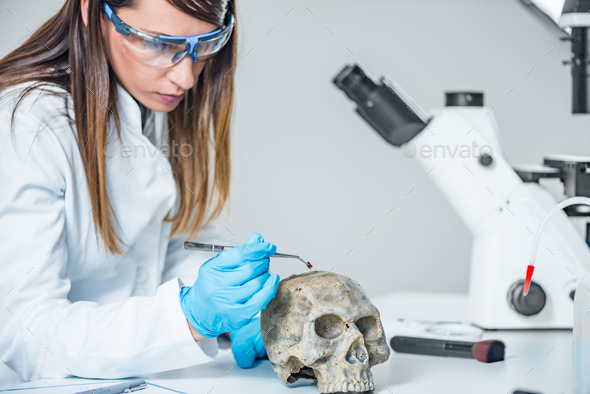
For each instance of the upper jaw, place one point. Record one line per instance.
(346, 386)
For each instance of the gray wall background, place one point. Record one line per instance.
(316, 180)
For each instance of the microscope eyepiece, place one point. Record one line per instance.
(385, 106)
(353, 81)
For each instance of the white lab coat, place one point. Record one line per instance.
(66, 307)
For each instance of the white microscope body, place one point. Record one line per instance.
(459, 149)
(503, 214)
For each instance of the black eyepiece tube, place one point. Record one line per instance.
(386, 110)
(580, 70)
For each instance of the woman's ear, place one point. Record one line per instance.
(84, 9)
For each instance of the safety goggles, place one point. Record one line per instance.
(166, 51)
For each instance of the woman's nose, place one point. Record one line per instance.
(182, 73)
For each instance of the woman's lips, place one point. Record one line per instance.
(170, 99)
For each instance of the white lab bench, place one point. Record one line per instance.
(538, 361)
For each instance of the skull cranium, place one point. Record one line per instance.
(322, 326)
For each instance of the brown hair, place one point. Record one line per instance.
(77, 62)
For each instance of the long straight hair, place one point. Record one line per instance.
(77, 62)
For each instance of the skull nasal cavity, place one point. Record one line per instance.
(356, 353)
(329, 326)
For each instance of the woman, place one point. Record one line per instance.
(104, 172)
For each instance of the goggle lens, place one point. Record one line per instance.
(206, 49)
(150, 52)
(161, 54)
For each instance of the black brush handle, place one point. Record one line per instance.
(431, 347)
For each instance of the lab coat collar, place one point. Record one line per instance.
(129, 111)
(130, 115)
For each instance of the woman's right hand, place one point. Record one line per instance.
(231, 288)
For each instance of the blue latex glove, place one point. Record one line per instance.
(231, 288)
(247, 345)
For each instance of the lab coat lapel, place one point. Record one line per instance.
(140, 184)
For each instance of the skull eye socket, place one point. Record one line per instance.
(369, 327)
(329, 326)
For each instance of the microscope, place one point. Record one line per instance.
(458, 148)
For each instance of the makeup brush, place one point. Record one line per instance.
(485, 351)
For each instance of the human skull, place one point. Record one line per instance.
(322, 326)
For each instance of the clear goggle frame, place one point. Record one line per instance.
(166, 51)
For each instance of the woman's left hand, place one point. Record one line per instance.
(247, 345)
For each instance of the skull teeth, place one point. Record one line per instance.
(359, 386)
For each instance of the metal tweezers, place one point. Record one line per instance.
(220, 248)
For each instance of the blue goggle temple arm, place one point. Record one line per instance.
(120, 26)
